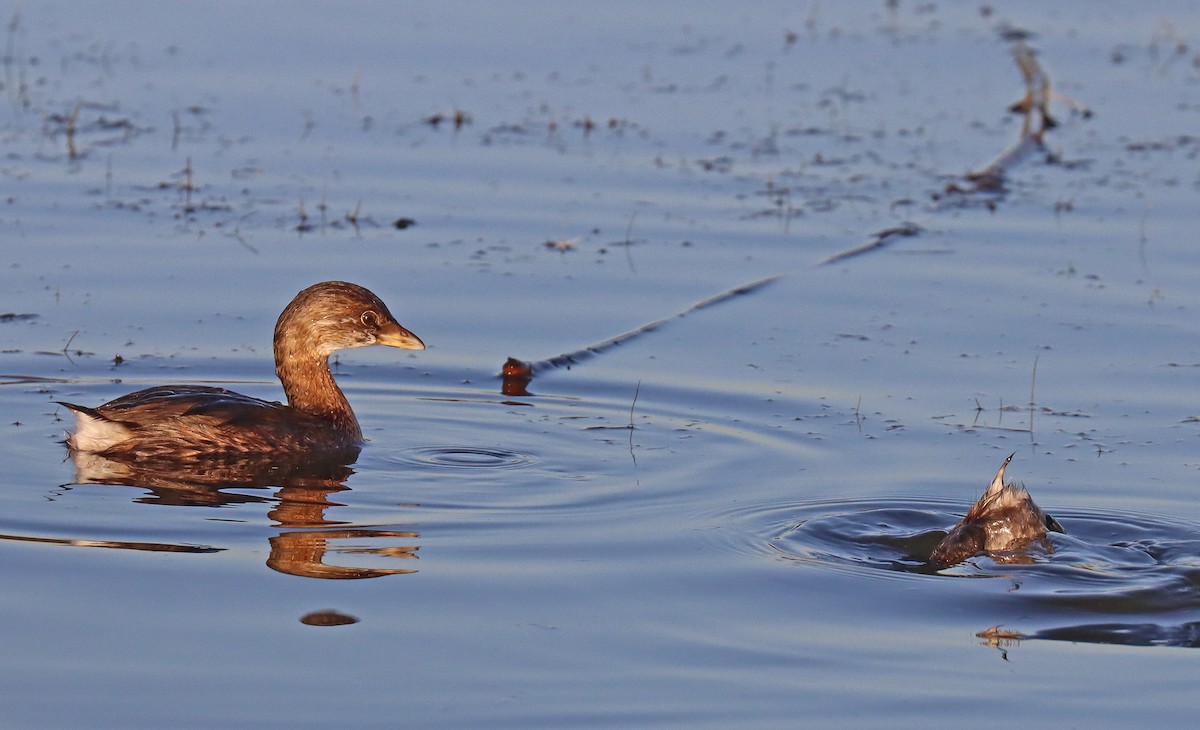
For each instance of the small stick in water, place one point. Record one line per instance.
(516, 374)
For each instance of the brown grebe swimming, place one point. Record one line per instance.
(186, 421)
(1005, 519)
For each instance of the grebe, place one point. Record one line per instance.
(1003, 520)
(186, 421)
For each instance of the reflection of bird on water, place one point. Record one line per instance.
(179, 421)
(203, 481)
(304, 486)
(1004, 520)
(302, 552)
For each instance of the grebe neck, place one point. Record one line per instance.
(310, 387)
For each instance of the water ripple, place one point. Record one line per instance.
(1107, 562)
(466, 457)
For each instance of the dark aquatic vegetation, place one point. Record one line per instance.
(183, 421)
(1004, 520)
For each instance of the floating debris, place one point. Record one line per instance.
(516, 374)
(881, 239)
(1034, 106)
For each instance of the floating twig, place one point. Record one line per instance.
(16, 316)
(1032, 393)
(72, 152)
(303, 226)
(16, 90)
(187, 186)
(882, 238)
(636, 390)
(352, 218)
(1034, 106)
(69, 341)
(628, 243)
(517, 374)
(236, 234)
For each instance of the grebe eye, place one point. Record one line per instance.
(369, 318)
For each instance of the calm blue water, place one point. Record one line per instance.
(718, 522)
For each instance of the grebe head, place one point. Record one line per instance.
(337, 315)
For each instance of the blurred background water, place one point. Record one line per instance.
(717, 522)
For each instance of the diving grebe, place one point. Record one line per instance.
(185, 421)
(1003, 520)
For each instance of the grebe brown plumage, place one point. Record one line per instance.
(1005, 519)
(185, 421)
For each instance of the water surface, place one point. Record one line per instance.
(719, 521)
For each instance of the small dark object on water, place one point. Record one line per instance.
(1005, 519)
(514, 368)
(459, 117)
(516, 376)
(328, 618)
(401, 223)
(185, 421)
(16, 316)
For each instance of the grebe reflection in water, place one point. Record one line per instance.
(307, 541)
